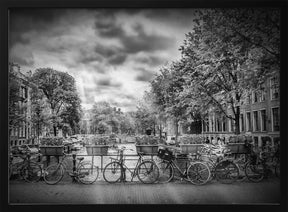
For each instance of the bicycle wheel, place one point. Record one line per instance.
(148, 172)
(198, 173)
(226, 172)
(242, 176)
(14, 172)
(10, 170)
(112, 172)
(31, 172)
(254, 172)
(166, 172)
(87, 173)
(53, 174)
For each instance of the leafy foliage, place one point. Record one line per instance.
(105, 119)
(148, 140)
(228, 53)
(51, 141)
(58, 90)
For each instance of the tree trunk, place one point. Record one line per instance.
(176, 131)
(237, 121)
(55, 130)
(160, 130)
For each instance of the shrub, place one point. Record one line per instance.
(148, 140)
(51, 141)
(100, 140)
(239, 138)
(191, 139)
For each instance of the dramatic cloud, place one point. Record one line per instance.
(150, 60)
(144, 75)
(112, 53)
(140, 41)
(24, 20)
(117, 59)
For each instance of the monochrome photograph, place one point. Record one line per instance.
(144, 106)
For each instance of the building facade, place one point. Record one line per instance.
(23, 132)
(259, 116)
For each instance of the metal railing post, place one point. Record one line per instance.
(74, 166)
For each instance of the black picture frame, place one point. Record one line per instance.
(6, 5)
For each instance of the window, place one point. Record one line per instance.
(263, 120)
(232, 125)
(255, 97)
(262, 94)
(275, 119)
(206, 124)
(274, 88)
(219, 126)
(248, 121)
(256, 141)
(248, 100)
(24, 129)
(224, 124)
(256, 121)
(242, 122)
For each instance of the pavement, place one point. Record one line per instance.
(177, 192)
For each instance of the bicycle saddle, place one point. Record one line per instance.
(81, 158)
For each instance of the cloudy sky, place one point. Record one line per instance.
(112, 54)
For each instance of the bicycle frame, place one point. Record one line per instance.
(20, 165)
(124, 168)
(64, 164)
(182, 173)
(121, 161)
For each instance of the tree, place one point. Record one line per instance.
(71, 115)
(228, 53)
(148, 114)
(127, 123)
(166, 88)
(40, 116)
(59, 91)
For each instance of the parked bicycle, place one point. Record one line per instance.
(146, 170)
(86, 172)
(262, 165)
(27, 169)
(222, 169)
(241, 162)
(196, 172)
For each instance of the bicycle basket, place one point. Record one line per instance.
(165, 154)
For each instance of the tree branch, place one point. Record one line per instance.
(257, 44)
(215, 101)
